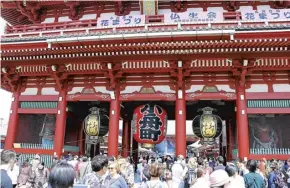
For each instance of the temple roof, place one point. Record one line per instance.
(27, 12)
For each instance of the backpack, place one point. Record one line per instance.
(279, 181)
(191, 175)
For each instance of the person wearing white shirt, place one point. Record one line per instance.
(179, 171)
(13, 173)
(74, 162)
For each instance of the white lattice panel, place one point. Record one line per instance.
(145, 64)
(211, 63)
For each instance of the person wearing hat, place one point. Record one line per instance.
(253, 179)
(219, 178)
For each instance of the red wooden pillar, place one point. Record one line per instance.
(129, 138)
(60, 123)
(230, 141)
(13, 120)
(242, 123)
(125, 138)
(114, 125)
(180, 124)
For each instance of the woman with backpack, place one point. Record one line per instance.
(191, 171)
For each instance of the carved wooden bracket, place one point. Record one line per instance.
(231, 5)
(178, 6)
(32, 10)
(75, 10)
(11, 80)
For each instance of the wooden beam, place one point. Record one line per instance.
(34, 151)
(268, 110)
(37, 111)
(166, 57)
(38, 98)
(269, 156)
(266, 95)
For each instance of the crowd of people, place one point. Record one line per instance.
(150, 172)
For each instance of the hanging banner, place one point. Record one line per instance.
(209, 16)
(115, 21)
(269, 14)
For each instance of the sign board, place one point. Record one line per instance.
(191, 16)
(267, 14)
(115, 21)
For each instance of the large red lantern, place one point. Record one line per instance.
(149, 125)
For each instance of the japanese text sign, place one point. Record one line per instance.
(193, 17)
(115, 21)
(149, 122)
(269, 14)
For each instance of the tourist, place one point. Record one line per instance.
(40, 176)
(253, 179)
(263, 167)
(84, 168)
(25, 173)
(208, 170)
(127, 171)
(287, 172)
(211, 163)
(200, 162)
(55, 160)
(191, 173)
(201, 181)
(155, 171)
(220, 164)
(259, 172)
(8, 158)
(179, 171)
(99, 166)
(114, 180)
(219, 178)
(73, 161)
(242, 167)
(13, 173)
(139, 170)
(62, 176)
(236, 181)
(35, 162)
(275, 179)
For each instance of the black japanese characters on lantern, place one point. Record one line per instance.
(96, 125)
(207, 126)
(149, 124)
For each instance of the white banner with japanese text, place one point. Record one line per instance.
(268, 14)
(115, 21)
(193, 17)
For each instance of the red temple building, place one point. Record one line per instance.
(60, 58)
